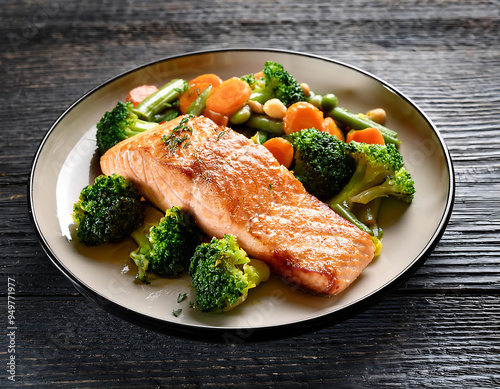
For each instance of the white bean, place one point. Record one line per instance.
(255, 106)
(377, 115)
(274, 108)
(305, 89)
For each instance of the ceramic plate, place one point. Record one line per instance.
(66, 161)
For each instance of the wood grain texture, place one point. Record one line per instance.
(441, 329)
(415, 340)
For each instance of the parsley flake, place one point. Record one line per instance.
(176, 138)
(220, 135)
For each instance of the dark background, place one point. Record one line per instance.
(441, 329)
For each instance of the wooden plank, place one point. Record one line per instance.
(415, 340)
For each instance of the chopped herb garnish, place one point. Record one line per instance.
(174, 139)
(221, 134)
(177, 312)
(270, 186)
(181, 297)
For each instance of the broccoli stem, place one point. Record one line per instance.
(358, 122)
(138, 127)
(139, 256)
(142, 240)
(155, 103)
(364, 197)
(356, 183)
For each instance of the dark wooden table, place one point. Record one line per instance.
(441, 329)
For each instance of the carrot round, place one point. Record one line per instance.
(229, 97)
(302, 115)
(221, 120)
(187, 97)
(209, 78)
(369, 135)
(136, 95)
(331, 127)
(281, 149)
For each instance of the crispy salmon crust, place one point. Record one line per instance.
(230, 185)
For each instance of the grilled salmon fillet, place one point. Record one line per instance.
(232, 186)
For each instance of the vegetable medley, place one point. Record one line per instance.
(348, 160)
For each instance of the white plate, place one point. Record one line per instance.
(66, 162)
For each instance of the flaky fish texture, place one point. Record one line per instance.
(231, 185)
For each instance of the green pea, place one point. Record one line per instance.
(315, 100)
(241, 116)
(329, 102)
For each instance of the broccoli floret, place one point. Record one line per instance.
(107, 211)
(166, 247)
(119, 124)
(276, 83)
(249, 79)
(222, 274)
(374, 165)
(320, 162)
(399, 185)
(379, 172)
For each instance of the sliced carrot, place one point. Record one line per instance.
(229, 97)
(281, 149)
(331, 127)
(302, 115)
(136, 95)
(187, 97)
(368, 135)
(258, 75)
(221, 120)
(209, 78)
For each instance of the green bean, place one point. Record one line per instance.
(329, 102)
(166, 116)
(199, 104)
(368, 215)
(360, 122)
(349, 216)
(241, 116)
(265, 123)
(155, 103)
